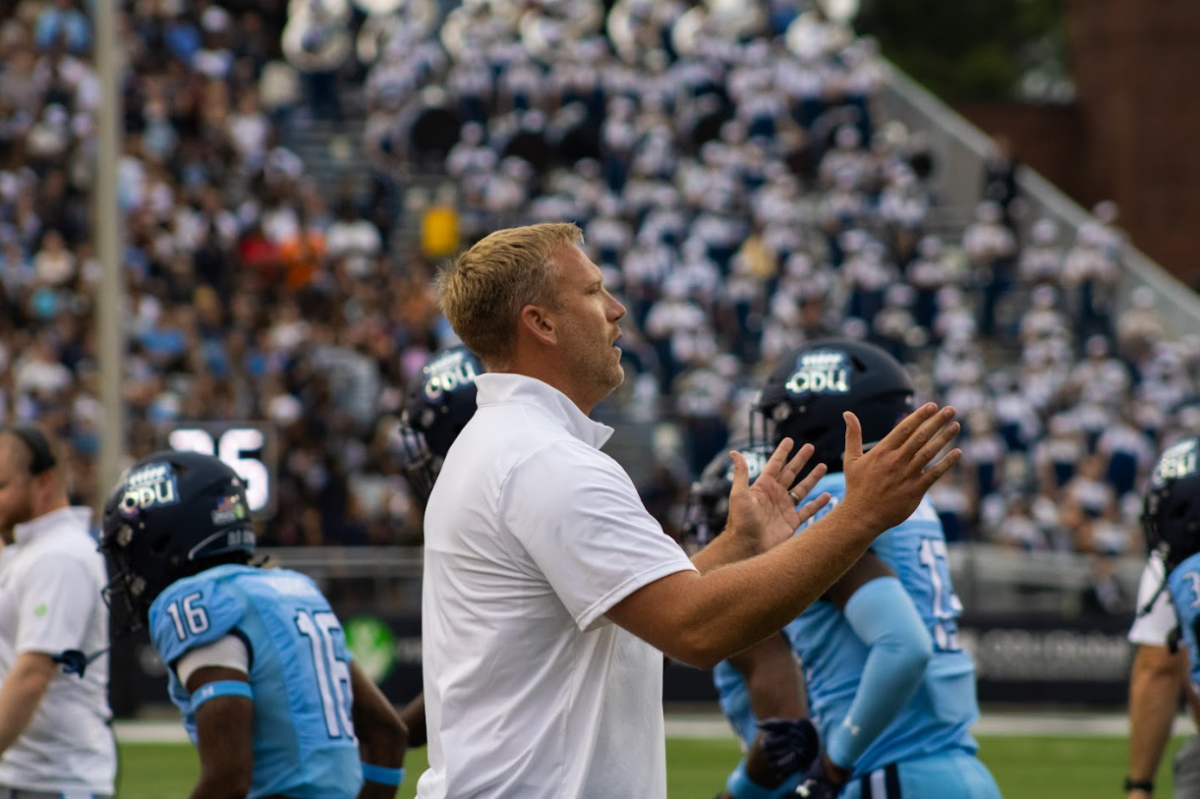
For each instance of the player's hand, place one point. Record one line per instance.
(817, 783)
(788, 745)
(886, 485)
(765, 514)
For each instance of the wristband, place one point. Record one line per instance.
(220, 688)
(1139, 785)
(381, 775)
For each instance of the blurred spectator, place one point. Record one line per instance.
(1000, 178)
(991, 248)
(63, 24)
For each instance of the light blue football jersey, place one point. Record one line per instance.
(939, 715)
(304, 742)
(1184, 585)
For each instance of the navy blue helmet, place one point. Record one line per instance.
(807, 393)
(708, 499)
(1171, 507)
(439, 405)
(172, 515)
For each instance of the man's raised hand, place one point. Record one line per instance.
(765, 513)
(887, 484)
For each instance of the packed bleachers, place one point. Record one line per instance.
(736, 180)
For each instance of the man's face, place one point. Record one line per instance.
(16, 504)
(588, 317)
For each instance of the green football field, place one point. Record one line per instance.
(1026, 768)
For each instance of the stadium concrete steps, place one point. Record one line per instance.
(332, 155)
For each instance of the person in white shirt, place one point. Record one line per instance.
(548, 587)
(54, 714)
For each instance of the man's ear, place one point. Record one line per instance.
(537, 322)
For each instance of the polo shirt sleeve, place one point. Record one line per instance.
(579, 517)
(1152, 626)
(58, 597)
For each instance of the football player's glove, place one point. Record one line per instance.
(816, 784)
(790, 745)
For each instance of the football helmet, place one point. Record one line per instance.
(172, 515)
(1171, 507)
(439, 405)
(707, 508)
(807, 393)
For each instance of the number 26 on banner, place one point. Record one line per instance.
(243, 449)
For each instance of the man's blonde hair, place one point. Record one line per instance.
(483, 291)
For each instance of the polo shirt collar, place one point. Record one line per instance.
(24, 533)
(506, 388)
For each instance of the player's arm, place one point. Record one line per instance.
(773, 679)
(787, 741)
(224, 711)
(22, 693)
(882, 614)
(701, 619)
(413, 716)
(1154, 684)
(382, 738)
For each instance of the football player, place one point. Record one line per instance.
(257, 660)
(892, 689)
(1171, 521)
(764, 682)
(440, 402)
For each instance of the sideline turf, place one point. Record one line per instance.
(1026, 768)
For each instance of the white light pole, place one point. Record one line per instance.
(106, 230)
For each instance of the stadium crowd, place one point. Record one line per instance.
(742, 195)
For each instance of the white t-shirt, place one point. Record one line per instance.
(1152, 627)
(531, 536)
(50, 584)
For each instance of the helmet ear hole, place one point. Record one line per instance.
(1179, 511)
(159, 544)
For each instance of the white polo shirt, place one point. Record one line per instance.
(531, 535)
(50, 583)
(1152, 627)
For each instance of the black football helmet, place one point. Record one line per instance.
(439, 405)
(807, 393)
(1171, 507)
(172, 515)
(708, 499)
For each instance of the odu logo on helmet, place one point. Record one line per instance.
(148, 487)
(447, 374)
(756, 459)
(820, 372)
(1178, 461)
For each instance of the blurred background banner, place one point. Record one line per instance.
(249, 448)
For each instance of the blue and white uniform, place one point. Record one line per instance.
(1184, 585)
(889, 687)
(299, 673)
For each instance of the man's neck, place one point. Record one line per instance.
(553, 379)
(52, 506)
